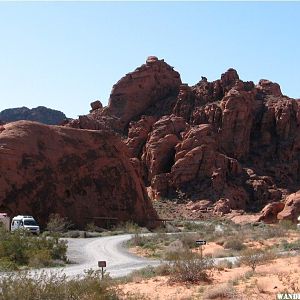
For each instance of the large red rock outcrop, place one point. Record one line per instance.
(227, 139)
(144, 87)
(77, 173)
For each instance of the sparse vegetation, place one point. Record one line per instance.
(190, 268)
(24, 286)
(127, 227)
(255, 257)
(234, 244)
(20, 248)
(221, 291)
(290, 246)
(57, 224)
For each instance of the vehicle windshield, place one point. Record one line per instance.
(30, 222)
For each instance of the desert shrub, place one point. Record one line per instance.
(146, 273)
(288, 246)
(190, 268)
(189, 240)
(139, 240)
(127, 227)
(267, 232)
(174, 250)
(234, 244)
(93, 228)
(58, 224)
(20, 248)
(163, 270)
(287, 225)
(255, 257)
(26, 286)
(7, 265)
(248, 274)
(224, 264)
(222, 291)
(40, 258)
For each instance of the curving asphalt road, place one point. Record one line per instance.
(85, 254)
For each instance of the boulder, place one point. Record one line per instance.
(96, 105)
(142, 88)
(79, 174)
(291, 210)
(270, 211)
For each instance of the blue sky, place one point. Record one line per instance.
(65, 55)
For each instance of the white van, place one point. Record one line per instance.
(26, 222)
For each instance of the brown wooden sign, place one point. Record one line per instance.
(102, 264)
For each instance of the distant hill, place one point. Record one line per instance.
(39, 114)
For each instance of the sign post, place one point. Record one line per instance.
(102, 264)
(201, 243)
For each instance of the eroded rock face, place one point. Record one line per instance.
(144, 87)
(76, 173)
(159, 151)
(226, 139)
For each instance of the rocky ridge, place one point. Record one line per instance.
(233, 143)
(39, 114)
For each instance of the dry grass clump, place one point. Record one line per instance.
(234, 244)
(221, 291)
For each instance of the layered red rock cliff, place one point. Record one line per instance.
(79, 174)
(232, 142)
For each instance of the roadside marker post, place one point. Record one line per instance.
(102, 264)
(201, 243)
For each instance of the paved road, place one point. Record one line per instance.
(85, 253)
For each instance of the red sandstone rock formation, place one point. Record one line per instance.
(138, 90)
(96, 105)
(226, 139)
(270, 211)
(76, 173)
(291, 210)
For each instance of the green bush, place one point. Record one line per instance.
(21, 248)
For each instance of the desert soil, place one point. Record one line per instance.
(239, 283)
